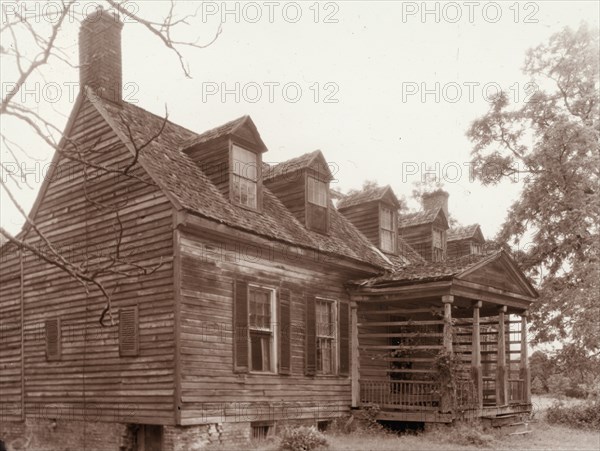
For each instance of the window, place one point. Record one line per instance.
(476, 249)
(128, 331)
(388, 230)
(438, 245)
(52, 331)
(326, 336)
(317, 192)
(261, 324)
(245, 178)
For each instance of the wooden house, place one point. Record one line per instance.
(426, 230)
(242, 299)
(467, 240)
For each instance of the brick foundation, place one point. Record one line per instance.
(48, 435)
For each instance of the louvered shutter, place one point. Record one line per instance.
(240, 327)
(285, 332)
(128, 331)
(311, 336)
(52, 331)
(344, 339)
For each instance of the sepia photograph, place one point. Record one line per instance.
(299, 225)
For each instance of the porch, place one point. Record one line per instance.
(436, 351)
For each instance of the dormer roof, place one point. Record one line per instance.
(243, 127)
(378, 193)
(313, 160)
(422, 217)
(465, 232)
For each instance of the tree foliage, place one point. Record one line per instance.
(550, 145)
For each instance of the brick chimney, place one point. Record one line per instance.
(435, 199)
(100, 54)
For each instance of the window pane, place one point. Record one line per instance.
(260, 350)
(245, 163)
(438, 238)
(387, 241)
(244, 191)
(387, 218)
(317, 192)
(325, 356)
(260, 309)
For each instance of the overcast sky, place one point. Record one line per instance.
(383, 89)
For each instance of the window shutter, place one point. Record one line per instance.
(311, 336)
(128, 331)
(285, 332)
(344, 339)
(240, 327)
(52, 330)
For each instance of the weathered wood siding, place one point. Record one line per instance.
(420, 238)
(210, 390)
(90, 371)
(11, 394)
(459, 248)
(290, 188)
(365, 218)
(213, 159)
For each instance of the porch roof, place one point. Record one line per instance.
(494, 278)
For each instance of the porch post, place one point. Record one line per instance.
(447, 397)
(354, 370)
(448, 300)
(501, 372)
(476, 355)
(524, 372)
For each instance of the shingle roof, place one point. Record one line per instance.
(186, 184)
(289, 166)
(214, 133)
(460, 233)
(418, 218)
(366, 195)
(427, 272)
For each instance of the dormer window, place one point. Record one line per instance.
(476, 249)
(387, 229)
(317, 192)
(244, 189)
(438, 245)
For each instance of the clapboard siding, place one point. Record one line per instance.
(458, 248)
(90, 369)
(290, 188)
(214, 158)
(420, 238)
(365, 218)
(207, 376)
(10, 335)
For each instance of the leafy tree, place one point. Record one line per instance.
(550, 145)
(541, 369)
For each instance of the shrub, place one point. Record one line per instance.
(302, 439)
(368, 415)
(585, 415)
(576, 392)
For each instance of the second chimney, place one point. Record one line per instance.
(434, 199)
(100, 54)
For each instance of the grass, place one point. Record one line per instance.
(543, 437)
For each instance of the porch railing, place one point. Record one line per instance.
(516, 390)
(401, 395)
